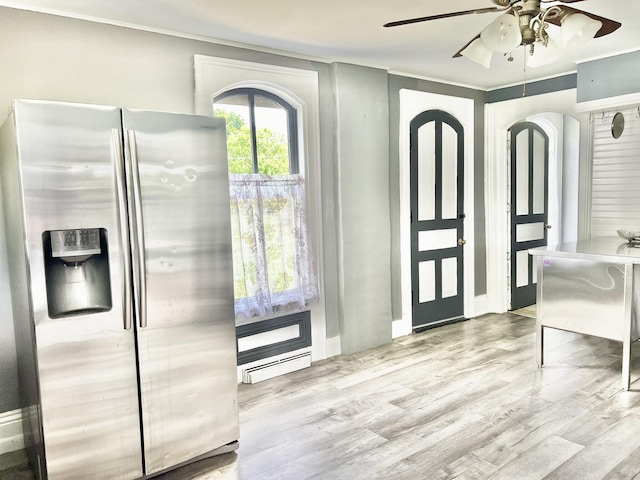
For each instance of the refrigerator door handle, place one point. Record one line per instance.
(140, 259)
(116, 139)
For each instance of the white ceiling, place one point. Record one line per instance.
(351, 31)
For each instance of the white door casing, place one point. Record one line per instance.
(499, 117)
(413, 103)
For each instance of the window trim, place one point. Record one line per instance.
(303, 340)
(300, 87)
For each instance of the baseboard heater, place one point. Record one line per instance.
(278, 367)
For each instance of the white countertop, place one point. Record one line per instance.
(606, 249)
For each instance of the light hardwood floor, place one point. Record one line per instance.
(463, 401)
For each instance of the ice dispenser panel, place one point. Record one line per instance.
(77, 271)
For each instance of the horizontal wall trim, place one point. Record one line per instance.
(540, 87)
(302, 319)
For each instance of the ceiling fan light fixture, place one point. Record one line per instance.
(544, 55)
(502, 35)
(478, 52)
(577, 29)
(524, 23)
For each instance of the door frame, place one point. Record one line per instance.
(412, 103)
(499, 117)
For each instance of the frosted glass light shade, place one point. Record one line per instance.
(503, 34)
(577, 29)
(544, 55)
(477, 52)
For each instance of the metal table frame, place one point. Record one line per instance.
(589, 293)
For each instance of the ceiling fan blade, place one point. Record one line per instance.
(608, 26)
(443, 15)
(459, 52)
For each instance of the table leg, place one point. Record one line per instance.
(626, 330)
(539, 344)
(626, 361)
(539, 327)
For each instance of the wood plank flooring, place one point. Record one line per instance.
(463, 401)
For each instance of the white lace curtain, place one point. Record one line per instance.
(272, 258)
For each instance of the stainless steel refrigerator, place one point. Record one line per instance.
(119, 244)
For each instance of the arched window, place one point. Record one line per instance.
(261, 131)
(273, 264)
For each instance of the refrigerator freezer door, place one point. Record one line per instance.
(68, 155)
(187, 350)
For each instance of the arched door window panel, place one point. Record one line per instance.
(531, 151)
(439, 178)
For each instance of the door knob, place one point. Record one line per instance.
(462, 241)
(548, 227)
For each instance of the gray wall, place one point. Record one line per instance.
(396, 83)
(555, 84)
(609, 77)
(57, 58)
(8, 361)
(362, 205)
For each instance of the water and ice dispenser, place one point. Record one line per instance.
(77, 271)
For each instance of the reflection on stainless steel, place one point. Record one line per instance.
(597, 248)
(627, 249)
(583, 296)
(187, 350)
(137, 237)
(121, 192)
(91, 418)
(591, 287)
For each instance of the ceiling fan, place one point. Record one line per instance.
(525, 23)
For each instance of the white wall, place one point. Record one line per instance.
(571, 183)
